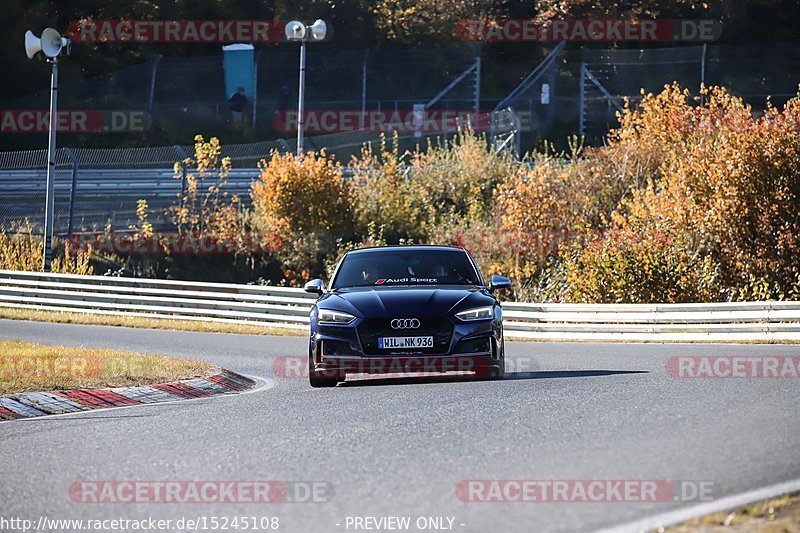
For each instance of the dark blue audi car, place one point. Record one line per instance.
(405, 309)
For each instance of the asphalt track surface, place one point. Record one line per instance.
(399, 447)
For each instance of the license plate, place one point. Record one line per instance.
(404, 342)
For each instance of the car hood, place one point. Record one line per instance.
(405, 301)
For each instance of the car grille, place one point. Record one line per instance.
(440, 328)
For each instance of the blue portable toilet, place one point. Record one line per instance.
(238, 61)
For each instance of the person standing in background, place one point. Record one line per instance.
(237, 102)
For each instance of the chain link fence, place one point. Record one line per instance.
(98, 188)
(189, 93)
(754, 72)
(577, 90)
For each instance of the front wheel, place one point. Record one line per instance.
(499, 371)
(324, 378)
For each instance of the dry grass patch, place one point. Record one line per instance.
(776, 515)
(27, 367)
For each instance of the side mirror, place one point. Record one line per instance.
(315, 286)
(499, 282)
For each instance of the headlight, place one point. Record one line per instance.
(334, 317)
(479, 313)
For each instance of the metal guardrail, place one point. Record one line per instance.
(184, 300)
(289, 307)
(690, 322)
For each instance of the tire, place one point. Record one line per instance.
(321, 379)
(499, 372)
(316, 381)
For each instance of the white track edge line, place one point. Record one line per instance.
(723, 504)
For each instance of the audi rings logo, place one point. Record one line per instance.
(405, 323)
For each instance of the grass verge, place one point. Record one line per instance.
(781, 514)
(29, 367)
(66, 317)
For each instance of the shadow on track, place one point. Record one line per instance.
(510, 376)
(550, 374)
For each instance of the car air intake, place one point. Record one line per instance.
(440, 328)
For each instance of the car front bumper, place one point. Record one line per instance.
(405, 364)
(471, 348)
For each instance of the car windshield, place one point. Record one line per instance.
(406, 267)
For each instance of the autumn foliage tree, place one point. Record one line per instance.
(691, 198)
(726, 191)
(304, 194)
(420, 21)
(306, 201)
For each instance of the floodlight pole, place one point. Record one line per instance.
(51, 170)
(300, 98)
(297, 31)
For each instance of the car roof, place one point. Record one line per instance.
(407, 247)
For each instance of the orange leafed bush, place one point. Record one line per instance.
(307, 194)
(456, 178)
(309, 205)
(545, 206)
(727, 187)
(690, 199)
(626, 267)
(568, 195)
(414, 194)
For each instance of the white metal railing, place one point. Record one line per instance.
(289, 307)
(186, 300)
